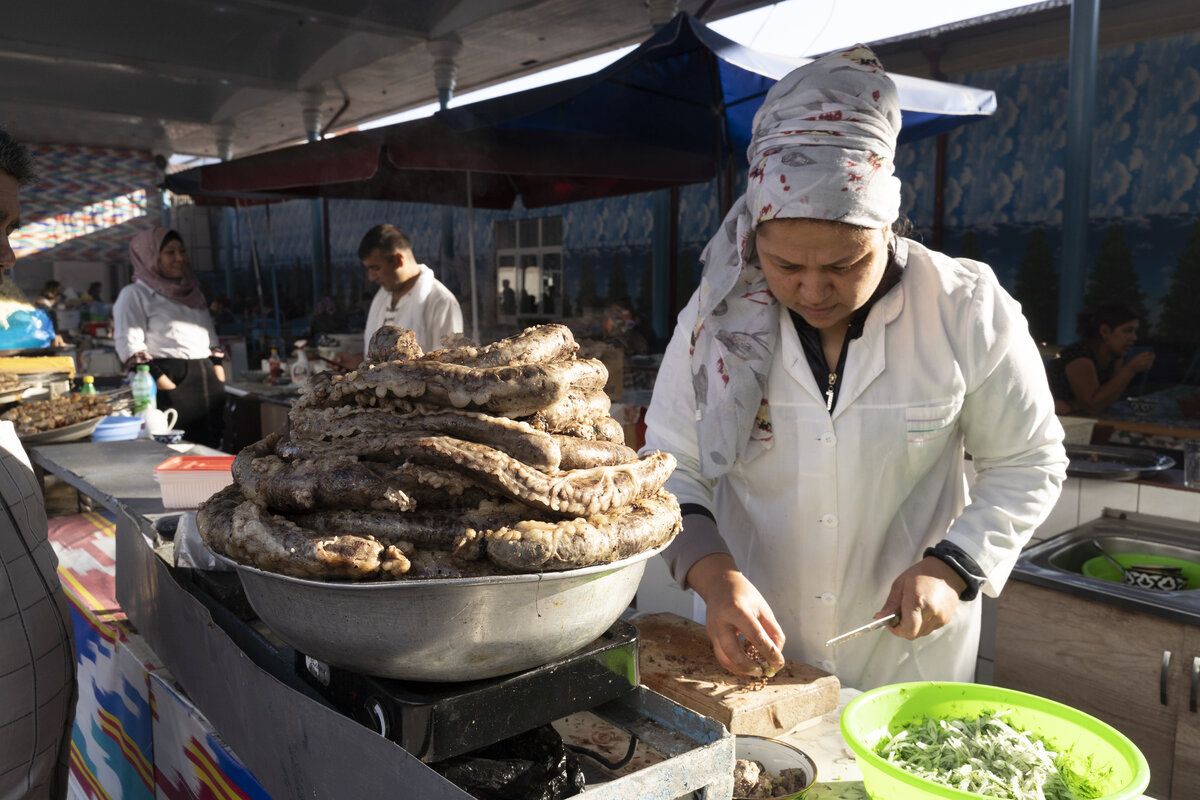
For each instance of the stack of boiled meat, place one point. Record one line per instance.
(461, 462)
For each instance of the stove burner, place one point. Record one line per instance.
(435, 721)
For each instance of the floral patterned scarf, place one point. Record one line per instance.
(822, 148)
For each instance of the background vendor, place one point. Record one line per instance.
(1093, 373)
(162, 319)
(819, 391)
(410, 295)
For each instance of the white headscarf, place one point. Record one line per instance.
(822, 148)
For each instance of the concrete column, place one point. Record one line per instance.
(445, 66)
(662, 12)
(310, 108)
(445, 77)
(1081, 105)
(223, 132)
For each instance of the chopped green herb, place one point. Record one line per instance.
(991, 758)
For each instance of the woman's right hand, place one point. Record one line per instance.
(164, 383)
(735, 606)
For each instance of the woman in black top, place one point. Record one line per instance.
(1091, 374)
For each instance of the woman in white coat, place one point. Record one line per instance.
(818, 393)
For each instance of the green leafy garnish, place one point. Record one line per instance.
(989, 757)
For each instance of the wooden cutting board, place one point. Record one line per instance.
(676, 660)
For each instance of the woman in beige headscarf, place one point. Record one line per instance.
(818, 393)
(162, 319)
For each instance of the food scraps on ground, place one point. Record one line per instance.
(752, 781)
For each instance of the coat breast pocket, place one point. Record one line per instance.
(927, 423)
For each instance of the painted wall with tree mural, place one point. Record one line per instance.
(1004, 188)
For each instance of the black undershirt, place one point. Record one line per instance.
(810, 337)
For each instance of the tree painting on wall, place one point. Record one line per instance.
(587, 299)
(645, 301)
(618, 287)
(1036, 287)
(686, 281)
(1178, 320)
(1113, 278)
(970, 247)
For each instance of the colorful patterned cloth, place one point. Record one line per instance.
(822, 149)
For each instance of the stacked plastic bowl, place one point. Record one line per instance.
(117, 429)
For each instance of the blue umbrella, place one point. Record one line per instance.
(689, 89)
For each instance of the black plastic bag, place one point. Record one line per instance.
(534, 765)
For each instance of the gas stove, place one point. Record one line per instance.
(436, 721)
(440, 725)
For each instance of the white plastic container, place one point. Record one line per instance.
(1077, 430)
(187, 481)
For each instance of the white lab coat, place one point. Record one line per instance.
(428, 309)
(826, 518)
(143, 319)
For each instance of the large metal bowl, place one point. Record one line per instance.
(445, 630)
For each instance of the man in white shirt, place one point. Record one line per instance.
(409, 295)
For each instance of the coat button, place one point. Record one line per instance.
(829, 520)
(829, 598)
(828, 439)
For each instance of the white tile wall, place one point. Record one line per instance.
(1096, 495)
(1165, 501)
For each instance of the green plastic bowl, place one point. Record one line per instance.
(869, 716)
(1100, 567)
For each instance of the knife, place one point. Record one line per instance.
(890, 621)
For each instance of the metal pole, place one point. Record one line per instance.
(471, 263)
(1085, 18)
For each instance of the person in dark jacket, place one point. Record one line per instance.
(37, 654)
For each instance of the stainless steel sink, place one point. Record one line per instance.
(1058, 562)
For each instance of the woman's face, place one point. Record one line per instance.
(173, 259)
(824, 271)
(1121, 338)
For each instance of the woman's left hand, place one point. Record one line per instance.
(926, 595)
(219, 371)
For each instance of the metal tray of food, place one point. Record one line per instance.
(67, 433)
(1113, 462)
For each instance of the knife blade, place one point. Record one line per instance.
(890, 621)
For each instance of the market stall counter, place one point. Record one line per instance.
(253, 691)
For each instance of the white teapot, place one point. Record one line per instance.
(159, 421)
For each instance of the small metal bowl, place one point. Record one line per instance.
(776, 756)
(1161, 579)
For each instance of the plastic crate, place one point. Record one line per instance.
(187, 481)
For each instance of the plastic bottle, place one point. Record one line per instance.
(89, 385)
(274, 365)
(300, 368)
(145, 392)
